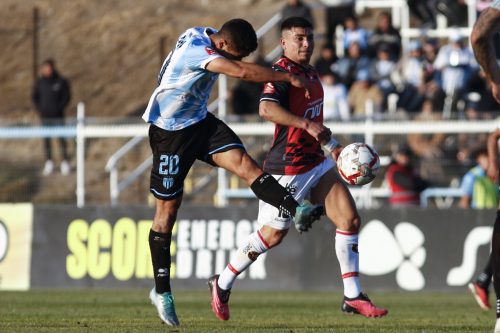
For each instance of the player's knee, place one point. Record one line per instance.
(276, 238)
(166, 214)
(351, 224)
(248, 168)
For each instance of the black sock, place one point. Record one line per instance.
(159, 245)
(495, 260)
(267, 189)
(484, 279)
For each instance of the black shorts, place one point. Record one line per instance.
(174, 152)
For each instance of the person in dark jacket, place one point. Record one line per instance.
(51, 95)
(403, 180)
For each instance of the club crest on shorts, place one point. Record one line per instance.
(168, 182)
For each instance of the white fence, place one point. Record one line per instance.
(368, 129)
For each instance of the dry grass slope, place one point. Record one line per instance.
(110, 52)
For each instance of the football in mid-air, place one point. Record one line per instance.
(358, 163)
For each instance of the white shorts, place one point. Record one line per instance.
(300, 187)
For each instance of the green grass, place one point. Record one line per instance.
(260, 312)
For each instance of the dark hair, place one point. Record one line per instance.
(49, 62)
(295, 22)
(240, 34)
(482, 151)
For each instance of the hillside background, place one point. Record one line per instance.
(110, 51)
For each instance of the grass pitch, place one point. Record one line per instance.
(259, 312)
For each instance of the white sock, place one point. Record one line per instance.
(346, 247)
(245, 256)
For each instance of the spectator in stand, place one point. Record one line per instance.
(403, 180)
(336, 12)
(348, 66)
(457, 64)
(423, 10)
(412, 66)
(385, 34)
(296, 8)
(327, 58)
(382, 70)
(468, 143)
(353, 33)
(51, 95)
(429, 148)
(412, 70)
(335, 106)
(480, 192)
(362, 91)
(432, 76)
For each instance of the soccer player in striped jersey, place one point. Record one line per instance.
(182, 130)
(482, 39)
(297, 161)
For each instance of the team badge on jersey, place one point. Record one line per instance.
(168, 182)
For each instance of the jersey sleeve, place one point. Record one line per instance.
(198, 54)
(276, 91)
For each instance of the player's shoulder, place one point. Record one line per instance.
(286, 65)
(197, 36)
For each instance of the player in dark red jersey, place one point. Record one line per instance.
(297, 161)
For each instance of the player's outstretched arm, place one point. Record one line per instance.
(493, 155)
(277, 114)
(253, 72)
(486, 26)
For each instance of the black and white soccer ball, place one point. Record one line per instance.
(358, 163)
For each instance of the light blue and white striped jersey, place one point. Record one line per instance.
(496, 4)
(184, 85)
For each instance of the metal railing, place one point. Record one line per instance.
(82, 130)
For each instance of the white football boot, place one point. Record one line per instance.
(165, 305)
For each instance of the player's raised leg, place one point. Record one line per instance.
(341, 210)
(267, 188)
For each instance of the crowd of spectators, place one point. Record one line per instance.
(430, 79)
(374, 66)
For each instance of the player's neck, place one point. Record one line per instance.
(304, 64)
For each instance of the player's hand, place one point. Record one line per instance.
(300, 82)
(495, 90)
(336, 152)
(492, 172)
(318, 131)
(325, 136)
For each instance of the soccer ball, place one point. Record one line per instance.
(358, 163)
